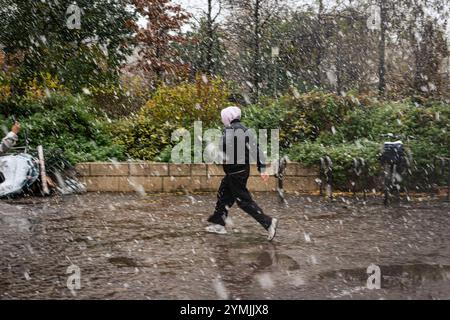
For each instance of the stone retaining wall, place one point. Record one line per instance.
(164, 177)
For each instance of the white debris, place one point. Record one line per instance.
(307, 237)
(139, 188)
(221, 291)
(265, 280)
(229, 222)
(86, 91)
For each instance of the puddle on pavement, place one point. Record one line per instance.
(402, 277)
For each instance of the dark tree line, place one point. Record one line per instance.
(330, 47)
(263, 47)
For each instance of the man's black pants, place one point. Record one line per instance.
(233, 188)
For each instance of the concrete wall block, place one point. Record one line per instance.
(198, 169)
(102, 183)
(300, 184)
(149, 169)
(256, 184)
(215, 170)
(109, 169)
(140, 184)
(291, 169)
(84, 169)
(296, 169)
(177, 170)
(189, 184)
(211, 183)
(307, 172)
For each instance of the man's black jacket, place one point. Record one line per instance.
(241, 148)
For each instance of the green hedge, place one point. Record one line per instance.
(70, 124)
(147, 135)
(311, 125)
(359, 134)
(301, 117)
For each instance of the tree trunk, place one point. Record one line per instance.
(318, 62)
(209, 40)
(382, 50)
(257, 50)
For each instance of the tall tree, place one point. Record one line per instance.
(211, 39)
(158, 58)
(320, 43)
(204, 52)
(382, 47)
(88, 55)
(407, 17)
(248, 26)
(426, 33)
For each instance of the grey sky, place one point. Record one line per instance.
(195, 6)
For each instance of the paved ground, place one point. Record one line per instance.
(154, 247)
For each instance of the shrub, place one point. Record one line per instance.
(183, 104)
(121, 100)
(342, 156)
(5, 88)
(141, 137)
(301, 117)
(29, 97)
(145, 135)
(273, 115)
(424, 128)
(320, 111)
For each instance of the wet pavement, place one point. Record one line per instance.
(153, 247)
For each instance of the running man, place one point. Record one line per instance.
(233, 187)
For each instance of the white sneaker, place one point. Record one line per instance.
(216, 228)
(272, 229)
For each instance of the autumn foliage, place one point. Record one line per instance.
(157, 60)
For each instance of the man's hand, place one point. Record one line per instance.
(16, 128)
(265, 176)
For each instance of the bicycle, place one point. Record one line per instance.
(359, 176)
(396, 162)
